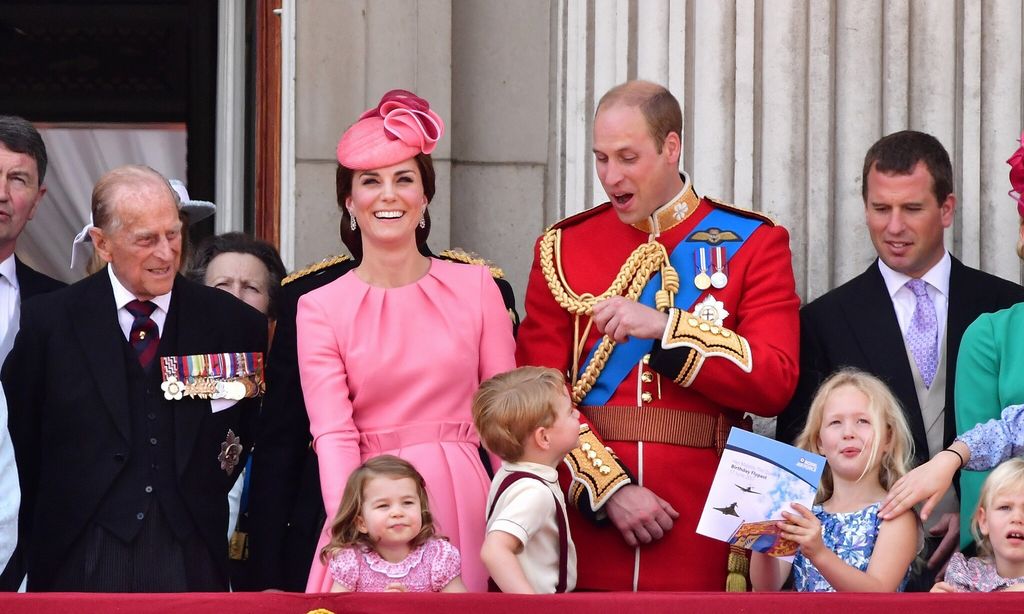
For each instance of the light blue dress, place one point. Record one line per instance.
(851, 535)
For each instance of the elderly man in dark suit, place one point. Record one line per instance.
(22, 168)
(903, 317)
(124, 479)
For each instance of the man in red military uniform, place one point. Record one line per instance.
(673, 315)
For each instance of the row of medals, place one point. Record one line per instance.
(718, 278)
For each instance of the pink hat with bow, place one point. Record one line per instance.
(1016, 163)
(398, 128)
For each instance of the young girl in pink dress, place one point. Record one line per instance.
(383, 539)
(391, 353)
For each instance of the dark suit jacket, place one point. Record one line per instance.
(286, 509)
(70, 418)
(31, 282)
(855, 325)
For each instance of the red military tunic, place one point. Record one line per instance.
(753, 370)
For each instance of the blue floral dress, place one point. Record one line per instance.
(851, 535)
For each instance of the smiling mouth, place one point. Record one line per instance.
(388, 215)
(1015, 535)
(621, 199)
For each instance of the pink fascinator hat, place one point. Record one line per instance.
(398, 128)
(1016, 163)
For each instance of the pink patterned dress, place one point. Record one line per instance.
(393, 371)
(428, 569)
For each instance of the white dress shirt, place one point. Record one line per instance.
(10, 489)
(904, 301)
(122, 297)
(10, 306)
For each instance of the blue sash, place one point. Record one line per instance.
(625, 356)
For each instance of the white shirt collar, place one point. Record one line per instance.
(936, 277)
(549, 474)
(122, 296)
(10, 271)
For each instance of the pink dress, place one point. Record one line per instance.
(393, 371)
(428, 569)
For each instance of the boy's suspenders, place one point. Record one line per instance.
(563, 531)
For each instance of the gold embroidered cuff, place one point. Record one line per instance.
(684, 330)
(595, 470)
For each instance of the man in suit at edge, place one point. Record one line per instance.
(877, 323)
(124, 483)
(22, 168)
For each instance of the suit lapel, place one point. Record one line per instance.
(94, 320)
(881, 343)
(961, 312)
(176, 340)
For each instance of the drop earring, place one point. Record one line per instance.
(352, 221)
(423, 221)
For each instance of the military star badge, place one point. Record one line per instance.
(711, 310)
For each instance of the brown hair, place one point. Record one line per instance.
(510, 406)
(343, 532)
(898, 153)
(1009, 475)
(353, 239)
(658, 106)
(887, 422)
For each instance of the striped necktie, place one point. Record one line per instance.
(144, 336)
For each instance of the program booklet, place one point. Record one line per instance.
(756, 481)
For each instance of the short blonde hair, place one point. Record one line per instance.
(510, 406)
(888, 423)
(1008, 476)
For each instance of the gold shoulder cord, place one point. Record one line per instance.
(645, 260)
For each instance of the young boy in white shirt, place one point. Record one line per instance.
(526, 417)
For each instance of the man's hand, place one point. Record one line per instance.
(620, 318)
(949, 526)
(640, 515)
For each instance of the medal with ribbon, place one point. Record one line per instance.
(227, 375)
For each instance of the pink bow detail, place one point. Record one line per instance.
(408, 118)
(1016, 163)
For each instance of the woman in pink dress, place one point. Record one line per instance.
(391, 353)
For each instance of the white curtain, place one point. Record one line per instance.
(78, 156)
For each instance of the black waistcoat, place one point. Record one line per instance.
(149, 472)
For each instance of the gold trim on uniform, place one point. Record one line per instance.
(460, 255)
(707, 341)
(313, 268)
(595, 470)
(672, 214)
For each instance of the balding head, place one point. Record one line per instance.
(659, 107)
(137, 229)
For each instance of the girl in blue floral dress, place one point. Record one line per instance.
(858, 426)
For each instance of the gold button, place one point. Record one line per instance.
(605, 469)
(704, 326)
(715, 330)
(585, 447)
(726, 333)
(647, 358)
(647, 397)
(647, 377)
(692, 321)
(597, 462)
(591, 454)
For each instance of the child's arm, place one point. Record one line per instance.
(455, 586)
(499, 556)
(996, 440)
(895, 548)
(767, 573)
(929, 481)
